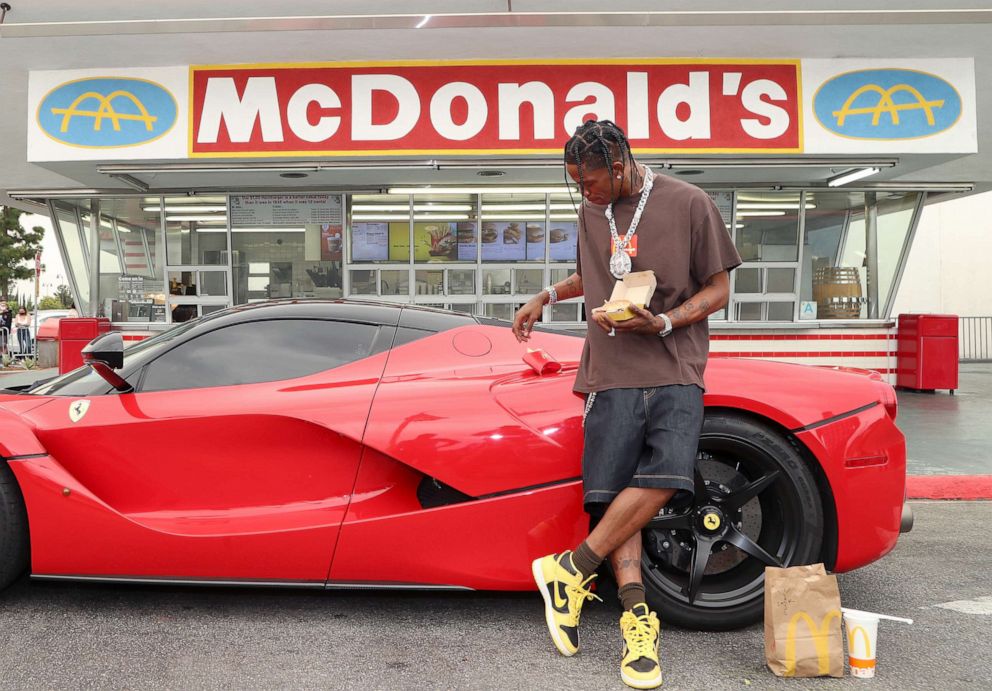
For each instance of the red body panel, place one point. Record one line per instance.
(233, 482)
(318, 477)
(864, 459)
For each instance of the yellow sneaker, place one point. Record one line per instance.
(640, 668)
(564, 592)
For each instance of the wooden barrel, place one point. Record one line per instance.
(837, 291)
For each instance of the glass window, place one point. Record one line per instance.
(461, 281)
(363, 282)
(780, 280)
(195, 229)
(429, 282)
(767, 226)
(394, 282)
(67, 226)
(496, 282)
(513, 227)
(258, 352)
(895, 217)
(529, 281)
(748, 280)
(834, 254)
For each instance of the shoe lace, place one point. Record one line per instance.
(577, 596)
(639, 635)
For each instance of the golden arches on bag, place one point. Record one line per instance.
(820, 635)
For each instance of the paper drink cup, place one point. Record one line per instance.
(862, 638)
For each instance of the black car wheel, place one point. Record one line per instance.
(756, 504)
(13, 529)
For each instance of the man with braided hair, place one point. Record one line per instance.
(643, 377)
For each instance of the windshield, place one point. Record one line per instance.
(85, 382)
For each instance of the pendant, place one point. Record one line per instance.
(620, 264)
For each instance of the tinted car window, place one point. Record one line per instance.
(259, 351)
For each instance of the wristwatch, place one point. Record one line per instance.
(668, 325)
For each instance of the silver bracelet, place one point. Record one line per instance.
(552, 295)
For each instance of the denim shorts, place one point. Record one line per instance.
(640, 438)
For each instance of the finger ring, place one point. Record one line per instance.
(613, 332)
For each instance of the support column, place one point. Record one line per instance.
(871, 253)
(94, 306)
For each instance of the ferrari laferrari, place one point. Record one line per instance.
(346, 444)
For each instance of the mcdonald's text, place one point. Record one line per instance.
(499, 107)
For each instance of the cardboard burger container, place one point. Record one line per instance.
(635, 289)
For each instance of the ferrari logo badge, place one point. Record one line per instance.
(77, 409)
(711, 521)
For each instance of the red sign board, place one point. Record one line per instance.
(505, 107)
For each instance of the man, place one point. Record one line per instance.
(643, 377)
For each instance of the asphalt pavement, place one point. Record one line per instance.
(130, 637)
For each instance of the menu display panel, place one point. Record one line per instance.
(369, 242)
(562, 240)
(503, 241)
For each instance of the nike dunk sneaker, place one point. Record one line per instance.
(564, 592)
(639, 667)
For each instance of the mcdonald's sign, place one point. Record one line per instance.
(884, 104)
(819, 634)
(107, 112)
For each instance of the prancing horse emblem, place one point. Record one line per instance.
(77, 409)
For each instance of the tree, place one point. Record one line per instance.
(64, 296)
(50, 302)
(16, 246)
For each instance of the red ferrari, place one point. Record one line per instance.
(363, 445)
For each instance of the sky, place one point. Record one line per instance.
(53, 272)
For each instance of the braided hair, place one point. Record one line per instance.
(597, 144)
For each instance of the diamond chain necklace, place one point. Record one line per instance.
(620, 264)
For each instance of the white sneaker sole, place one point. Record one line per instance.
(549, 611)
(641, 683)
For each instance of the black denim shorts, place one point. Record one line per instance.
(640, 438)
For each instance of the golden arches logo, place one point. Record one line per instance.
(105, 110)
(852, 636)
(820, 635)
(886, 104)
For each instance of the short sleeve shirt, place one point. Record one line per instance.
(681, 237)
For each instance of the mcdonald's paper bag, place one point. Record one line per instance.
(802, 622)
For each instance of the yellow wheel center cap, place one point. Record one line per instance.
(711, 521)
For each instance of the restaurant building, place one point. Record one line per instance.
(193, 163)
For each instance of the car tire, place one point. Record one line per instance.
(14, 549)
(782, 523)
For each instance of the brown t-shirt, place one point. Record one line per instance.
(683, 239)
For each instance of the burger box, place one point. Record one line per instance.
(634, 289)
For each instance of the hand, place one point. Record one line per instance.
(599, 317)
(643, 322)
(523, 320)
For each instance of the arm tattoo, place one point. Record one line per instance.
(710, 282)
(704, 305)
(689, 306)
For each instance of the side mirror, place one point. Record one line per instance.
(104, 354)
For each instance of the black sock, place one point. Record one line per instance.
(585, 560)
(631, 594)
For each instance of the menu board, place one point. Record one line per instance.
(369, 242)
(503, 241)
(297, 210)
(434, 241)
(724, 203)
(468, 240)
(535, 233)
(562, 240)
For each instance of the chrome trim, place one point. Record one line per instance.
(180, 581)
